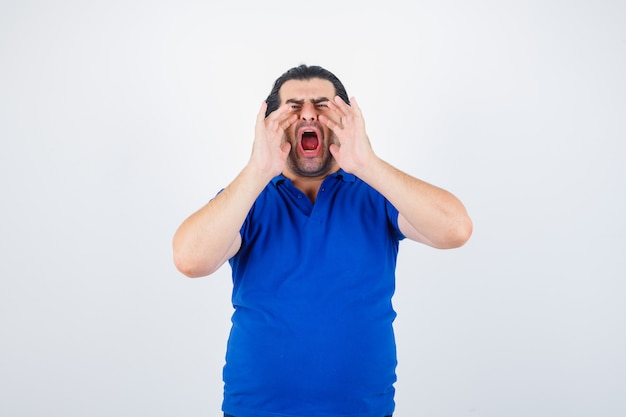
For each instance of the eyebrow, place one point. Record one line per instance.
(313, 100)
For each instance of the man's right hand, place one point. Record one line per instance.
(270, 149)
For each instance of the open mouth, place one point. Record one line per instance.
(310, 141)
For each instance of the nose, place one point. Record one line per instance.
(308, 112)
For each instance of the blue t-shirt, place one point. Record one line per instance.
(312, 329)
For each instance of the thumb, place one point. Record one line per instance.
(285, 147)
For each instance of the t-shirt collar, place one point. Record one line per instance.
(345, 176)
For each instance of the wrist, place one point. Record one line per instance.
(257, 173)
(369, 168)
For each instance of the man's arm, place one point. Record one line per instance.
(210, 236)
(428, 214)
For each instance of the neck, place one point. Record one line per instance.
(308, 185)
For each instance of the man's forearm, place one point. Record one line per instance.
(433, 215)
(207, 238)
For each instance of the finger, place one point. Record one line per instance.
(349, 112)
(285, 147)
(355, 107)
(353, 114)
(334, 125)
(288, 121)
(340, 117)
(281, 118)
(335, 106)
(345, 107)
(279, 112)
(286, 116)
(261, 114)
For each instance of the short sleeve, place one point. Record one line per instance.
(392, 217)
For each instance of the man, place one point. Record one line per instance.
(311, 227)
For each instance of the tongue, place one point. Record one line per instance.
(309, 142)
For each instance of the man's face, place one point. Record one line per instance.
(310, 140)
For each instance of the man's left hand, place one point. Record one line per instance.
(352, 149)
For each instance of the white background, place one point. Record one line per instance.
(118, 119)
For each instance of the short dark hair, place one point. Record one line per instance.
(304, 72)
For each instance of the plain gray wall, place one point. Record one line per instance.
(120, 118)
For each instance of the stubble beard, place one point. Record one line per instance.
(312, 167)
